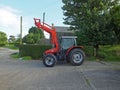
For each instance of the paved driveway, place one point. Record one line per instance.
(32, 75)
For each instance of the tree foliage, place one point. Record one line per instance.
(11, 39)
(90, 18)
(3, 38)
(115, 21)
(33, 36)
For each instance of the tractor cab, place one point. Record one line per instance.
(67, 41)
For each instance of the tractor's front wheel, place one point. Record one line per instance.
(76, 57)
(49, 60)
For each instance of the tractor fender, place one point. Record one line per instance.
(71, 48)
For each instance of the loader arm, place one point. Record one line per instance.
(52, 31)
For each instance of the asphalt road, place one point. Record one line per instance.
(32, 75)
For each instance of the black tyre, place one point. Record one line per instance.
(76, 57)
(49, 60)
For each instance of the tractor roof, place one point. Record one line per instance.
(68, 37)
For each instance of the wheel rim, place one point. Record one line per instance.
(49, 61)
(77, 57)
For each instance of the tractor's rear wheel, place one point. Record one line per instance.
(76, 57)
(49, 60)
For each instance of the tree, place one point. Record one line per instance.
(29, 38)
(33, 36)
(89, 19)
(11, 39)
(115, 21)
(3, 38)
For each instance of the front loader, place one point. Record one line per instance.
(64, 48)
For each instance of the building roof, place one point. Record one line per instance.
(63, 31)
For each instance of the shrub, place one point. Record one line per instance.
(106, 52)
(11, 46)
(35, 51)
(110, 53)
(17, 44)
(88, 50)
(3, 39)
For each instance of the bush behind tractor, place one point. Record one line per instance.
(64, 47)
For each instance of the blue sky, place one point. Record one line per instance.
(11, 10)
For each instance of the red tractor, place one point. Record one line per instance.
(64, 48)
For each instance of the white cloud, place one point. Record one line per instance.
(10, 20)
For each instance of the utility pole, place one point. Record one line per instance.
(21, 30)
(43, 18)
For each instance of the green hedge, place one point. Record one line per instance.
(1, 45)
(35, 51)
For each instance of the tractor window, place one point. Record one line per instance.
(67, 43)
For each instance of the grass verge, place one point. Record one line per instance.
(17, 56)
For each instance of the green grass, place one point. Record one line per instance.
(26, 58)
(17, 56)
